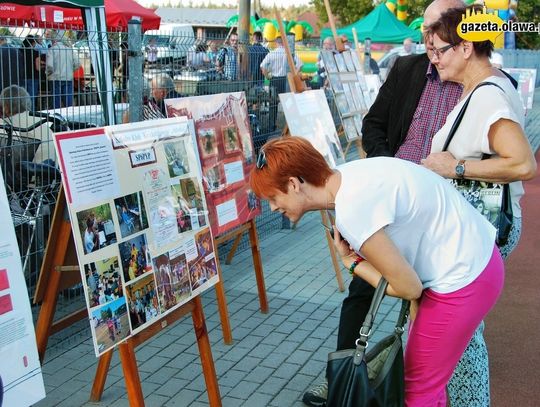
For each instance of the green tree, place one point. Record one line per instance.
(350, 11)
(528, 11)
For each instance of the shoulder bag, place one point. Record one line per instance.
(491, 199)
(372, 379)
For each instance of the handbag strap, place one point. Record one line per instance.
(365, 330)
(461, 113)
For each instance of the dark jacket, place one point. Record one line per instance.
(386, 125)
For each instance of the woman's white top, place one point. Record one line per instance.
(443, 237)
(488, 104)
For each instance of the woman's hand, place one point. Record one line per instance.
(442, 163)
(342, 246)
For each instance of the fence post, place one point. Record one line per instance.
(135, 69)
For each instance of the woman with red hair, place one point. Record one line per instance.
(405, 223)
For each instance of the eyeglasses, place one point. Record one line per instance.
(261, 159)
(438, 52)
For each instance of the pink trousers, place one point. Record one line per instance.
(442, 330)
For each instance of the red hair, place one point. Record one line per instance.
(285, 158)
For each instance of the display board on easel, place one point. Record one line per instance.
(144, 247)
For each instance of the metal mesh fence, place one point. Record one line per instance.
(49, 84)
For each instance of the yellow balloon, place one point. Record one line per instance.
(391, 6)
(496, 4)
(298, 32)
(269, 32)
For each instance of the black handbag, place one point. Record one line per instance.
(372, 379)
(493, 198)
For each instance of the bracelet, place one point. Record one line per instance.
(355, 263)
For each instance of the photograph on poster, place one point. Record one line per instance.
(135, 257)
(142, 301)
(208, 145)
(212, 178)
(348, 95)
(358, 123)
(110, 324)
(341, 103)
(190, 189)
(329, 61)
(173, 285)
(350, 128)
(182, 209)
(347, 57)
(103, 281)
(164, 282)
(335, 81)
(252, 200)
(231, 142)
(177, 159)
(340, 62)
(356, 61)
(203, 240)
(358, 97)
(131, 214)
(96, 228)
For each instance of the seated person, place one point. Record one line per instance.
(16, 105)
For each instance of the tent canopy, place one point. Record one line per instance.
(380, 26)
(48, 14)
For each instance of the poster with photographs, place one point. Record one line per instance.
(226, 155)
(309, 116)
(329, 61)
(135, 241)
(526, 79)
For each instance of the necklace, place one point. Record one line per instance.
(467, 88)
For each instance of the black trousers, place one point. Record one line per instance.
(353, 312)
(279, 83)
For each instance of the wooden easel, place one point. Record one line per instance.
(237, 235)
(298, 86)
(59, 271)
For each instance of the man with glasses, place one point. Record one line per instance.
(227, 59)
(410, 108)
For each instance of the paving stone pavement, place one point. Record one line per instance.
(275, 357)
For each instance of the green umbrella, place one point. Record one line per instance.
(233, 21)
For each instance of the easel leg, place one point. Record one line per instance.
(205, 352)
(131, 374)
(257, 263)
(233, 248)
(222, 305)
(360, 148)
(101, 376)
(333, 255)
(46, 313)
(347, 148)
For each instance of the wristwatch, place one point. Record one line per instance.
(460, 169)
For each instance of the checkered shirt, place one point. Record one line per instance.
(437, 101)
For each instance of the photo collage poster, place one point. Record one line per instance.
(526, 79)
(139, 221)
(352, 94)
(227, 155)
(309, 116)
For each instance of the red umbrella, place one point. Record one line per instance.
(117, 13)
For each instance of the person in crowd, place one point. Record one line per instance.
(32, 68)
(11, 65)
(162, 87)
(274, 67)
(16, 105)
(61, 63)
(401, 123)
(227, 59)
(497, 132)
(400, 239)
(408, 47)
(212, 52)
(198, 58)
(257, 52)
(151, 51)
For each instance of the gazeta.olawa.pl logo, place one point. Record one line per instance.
(482, 26)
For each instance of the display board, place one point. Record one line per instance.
(353, 91)
(226, 155)
(139, 221)
(21, 381)
(309, 116)
(526, 79)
